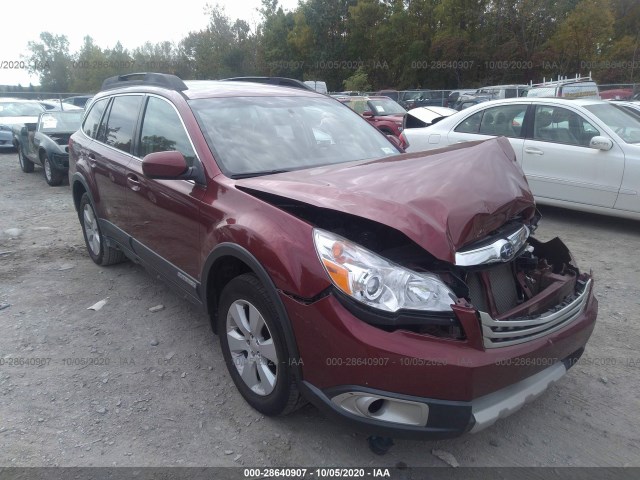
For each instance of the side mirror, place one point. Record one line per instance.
(367, 114)
(601, 143)
(164, 165)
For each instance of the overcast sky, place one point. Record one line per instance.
(129, 21)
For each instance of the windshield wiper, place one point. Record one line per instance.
(258, 174)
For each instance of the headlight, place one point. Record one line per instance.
(377, 282)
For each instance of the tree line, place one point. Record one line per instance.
(373, 44)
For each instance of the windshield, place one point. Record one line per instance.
(386, 106)
(259, 135)
(625, 124)
(20, 109)
(60, 121)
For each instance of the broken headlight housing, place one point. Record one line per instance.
(377, 282)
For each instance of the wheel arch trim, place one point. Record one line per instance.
(228, 249)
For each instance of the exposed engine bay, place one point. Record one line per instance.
(536, 278)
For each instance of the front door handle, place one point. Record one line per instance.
(133, 182)
(533, 151)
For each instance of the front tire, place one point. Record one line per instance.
(254, 347)
(99, 251)
(26, 165)
(52, 176)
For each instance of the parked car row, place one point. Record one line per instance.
(39, 130)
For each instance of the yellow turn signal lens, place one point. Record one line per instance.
(339, 275)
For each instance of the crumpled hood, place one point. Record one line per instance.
(441, 199)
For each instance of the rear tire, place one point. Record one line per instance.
(99, 251)
(254, 347)
(52, 176)
(26, 165)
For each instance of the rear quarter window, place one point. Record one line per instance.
(92, 120)
(122, 120)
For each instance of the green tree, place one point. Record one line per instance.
(50, 60)
(359, 81)
(583, 37)
(88, 69)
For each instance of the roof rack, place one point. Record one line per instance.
(280, 81)
(561, 81)
(143, 78)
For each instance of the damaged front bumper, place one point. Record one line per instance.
(390, 414)
(530, 320)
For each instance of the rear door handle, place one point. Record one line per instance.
(533, 151)
(133, 182)
(92, 160)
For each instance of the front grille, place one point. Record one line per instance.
(502, 333)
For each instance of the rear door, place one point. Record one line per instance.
(109, 157)
(560, 165)
(501, 120)
(164, 214)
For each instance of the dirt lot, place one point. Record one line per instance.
(157, 392)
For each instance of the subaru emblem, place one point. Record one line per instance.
(506, 252)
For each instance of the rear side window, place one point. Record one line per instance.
(503, 120)
(122, 122)
(162, 131)
(92, 120)
(470, 124)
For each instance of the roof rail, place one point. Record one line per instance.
(561, 81)
(143, 78)
(280, 81)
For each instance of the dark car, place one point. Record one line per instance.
(399, 292)
(466, 101)
(47, 144)
(424, 98)
(394, 95)
(381, 112)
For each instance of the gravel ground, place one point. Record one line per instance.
(126, 386)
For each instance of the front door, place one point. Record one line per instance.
(164, 214)
(560, 165)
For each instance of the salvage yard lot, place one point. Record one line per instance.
(128, 386)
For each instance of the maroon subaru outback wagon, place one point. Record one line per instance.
(403, 293)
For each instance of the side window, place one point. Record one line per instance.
(470, 124)
(504, 120)
(122, 122)
(162, 131)
(92, 120)
(560, 125)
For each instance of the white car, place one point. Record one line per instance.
(578, 154)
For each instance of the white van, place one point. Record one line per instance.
(318, 86)
(579, 87)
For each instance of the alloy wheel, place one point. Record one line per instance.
(91, 229)
(251, 346)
